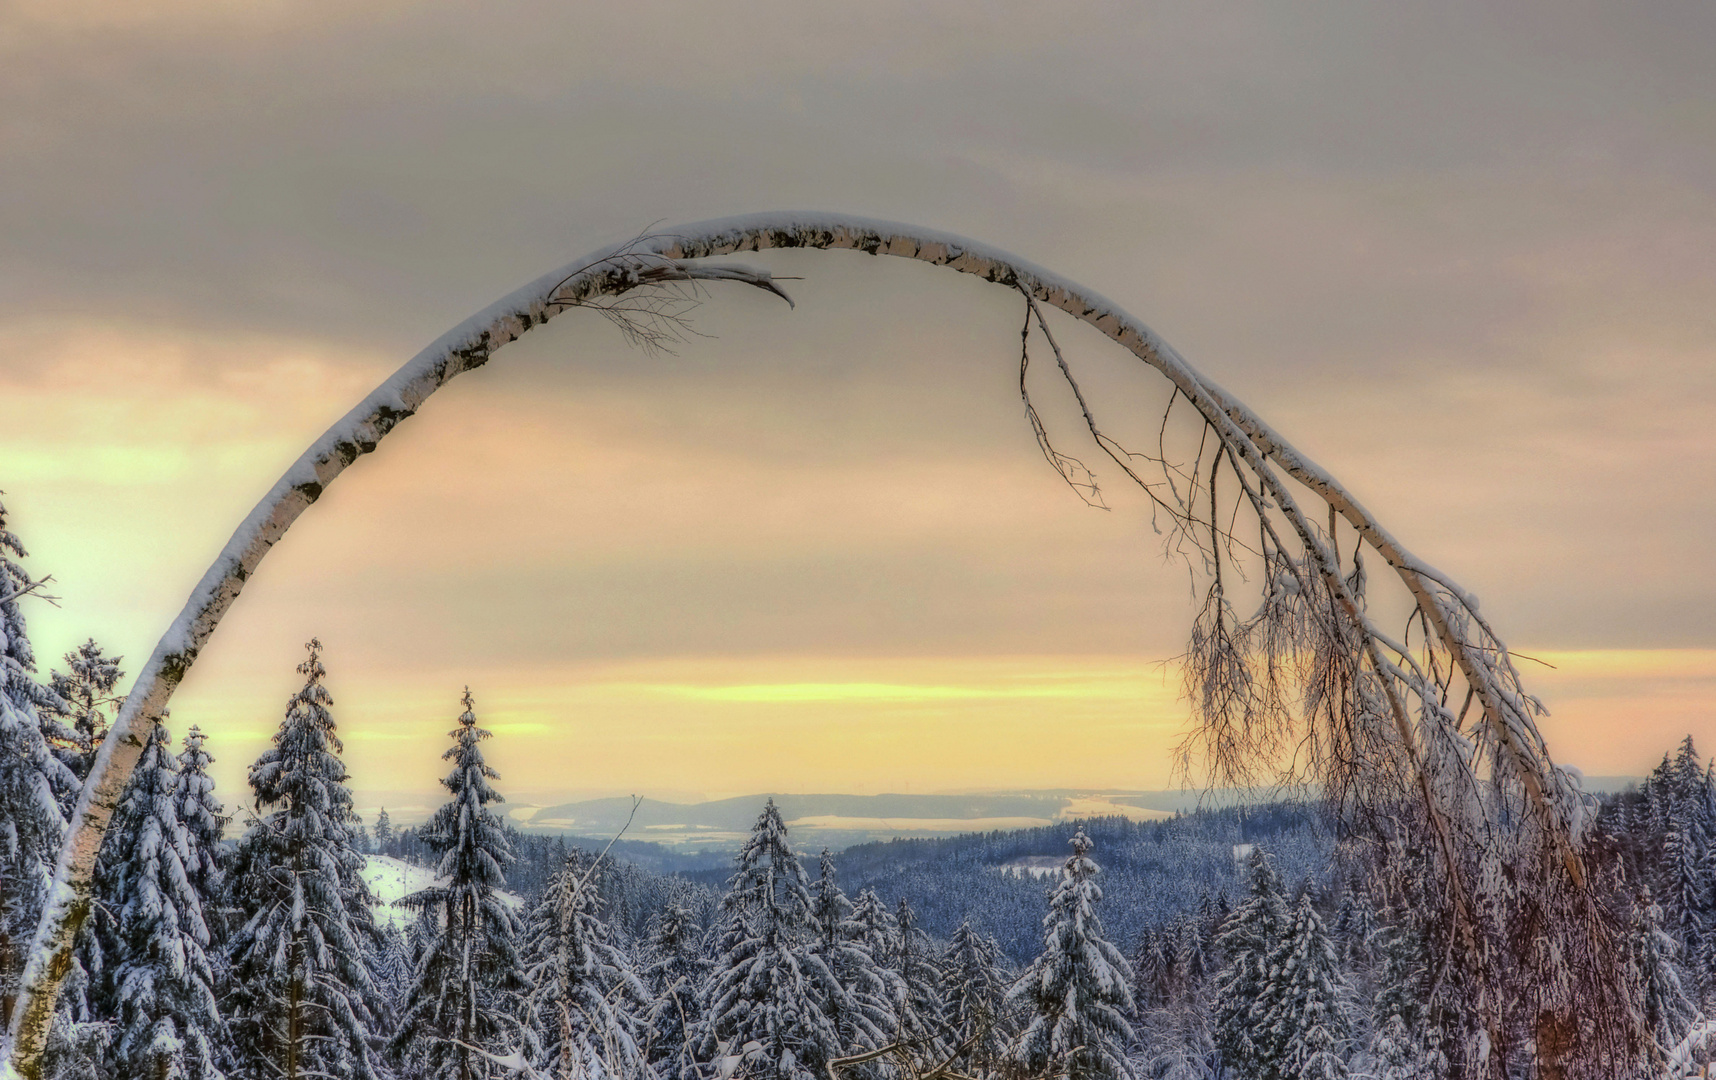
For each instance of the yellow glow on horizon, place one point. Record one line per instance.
(787, 693)
(707, 727)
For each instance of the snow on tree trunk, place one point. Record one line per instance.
(463, 999)
(1381, 725)
(302, 1002)
(1079, 991)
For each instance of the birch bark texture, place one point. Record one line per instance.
(1396, 738)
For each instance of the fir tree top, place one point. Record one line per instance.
(769, 880)
(474, 847)
(831, 911)
(202, 813)
(303, 769)
(87, 690)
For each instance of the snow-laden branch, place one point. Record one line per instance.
(631, 284)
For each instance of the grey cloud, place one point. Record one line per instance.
(1338, 209)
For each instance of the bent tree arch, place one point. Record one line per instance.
(1429, 752)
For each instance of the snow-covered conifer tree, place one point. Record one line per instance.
(205, 821)
(1079, 991)
(82, 1035)
(1305, 1004)
(586, 1003)
(464, 995)
(393, 965)
(862, 1010)
(1668, 1012)
(920, 1007)
(1249, 940)
(676, 971)
(31, 777)
(1403, 1044)
(973, 989)
(876, 926)
(1688, 849)
(87, 689)
(766, 987)
(1153, 968)
(1174, 1010)
(302, 1002)
(383, 837)
(157, 967)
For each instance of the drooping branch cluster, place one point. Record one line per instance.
(1427, 743)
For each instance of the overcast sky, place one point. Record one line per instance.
(1463, 255)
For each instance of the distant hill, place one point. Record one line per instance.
(839, 821)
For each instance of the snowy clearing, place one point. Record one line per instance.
(390, 879)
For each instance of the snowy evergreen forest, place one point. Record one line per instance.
(234, 934)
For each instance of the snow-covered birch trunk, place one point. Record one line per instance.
(1440, 767)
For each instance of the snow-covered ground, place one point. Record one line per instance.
(389, 879)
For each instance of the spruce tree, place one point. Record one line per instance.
(1153, 969)
(876, 928)
(861, 1011)
(1403, 1044)
(973, 988)
(1304, 1010)
(766, 987)
(302, 1002)
(919, 1008)
(1687, 848)
(676, 971)
(1079, 991)
(383, 833)
(157, 968)
(586, 1002)
(205, 821)
(78, 1042)
(87, 690)
(463, 995)
(32, 779)
(1249, 939)
(1667, 1011)
(393, 965)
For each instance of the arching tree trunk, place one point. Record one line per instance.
(1398, 717)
